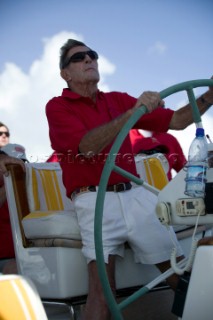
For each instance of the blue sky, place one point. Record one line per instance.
(144, 45)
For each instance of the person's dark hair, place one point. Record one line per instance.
(71, 43)
(4, 125)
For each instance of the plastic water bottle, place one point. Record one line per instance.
(197, 165)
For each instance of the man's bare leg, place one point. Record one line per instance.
(96, 307)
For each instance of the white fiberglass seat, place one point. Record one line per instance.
(46, 250)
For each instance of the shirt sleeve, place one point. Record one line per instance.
(157, 120)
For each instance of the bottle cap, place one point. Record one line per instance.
(199, 132)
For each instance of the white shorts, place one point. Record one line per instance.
(127, 216)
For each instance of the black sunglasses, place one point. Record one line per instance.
(7, 134)
(80, 56)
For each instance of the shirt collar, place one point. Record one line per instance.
(67, 93)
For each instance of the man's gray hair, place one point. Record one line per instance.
(71, 43)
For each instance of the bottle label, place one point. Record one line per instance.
(197, 172)
(195, 180)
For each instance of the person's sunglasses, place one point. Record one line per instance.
(7, 134)
(80, 56)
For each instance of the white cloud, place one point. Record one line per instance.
(13, 85)
(105, 68)
(23, 96)
(158, 48)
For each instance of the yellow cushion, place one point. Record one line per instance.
(19, 300)
(153, 169)
(45, 187)
(51, 212)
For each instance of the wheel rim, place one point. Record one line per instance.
(187, 86)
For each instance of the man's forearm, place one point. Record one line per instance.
(97, 139)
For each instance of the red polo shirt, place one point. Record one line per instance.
(71, 116)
